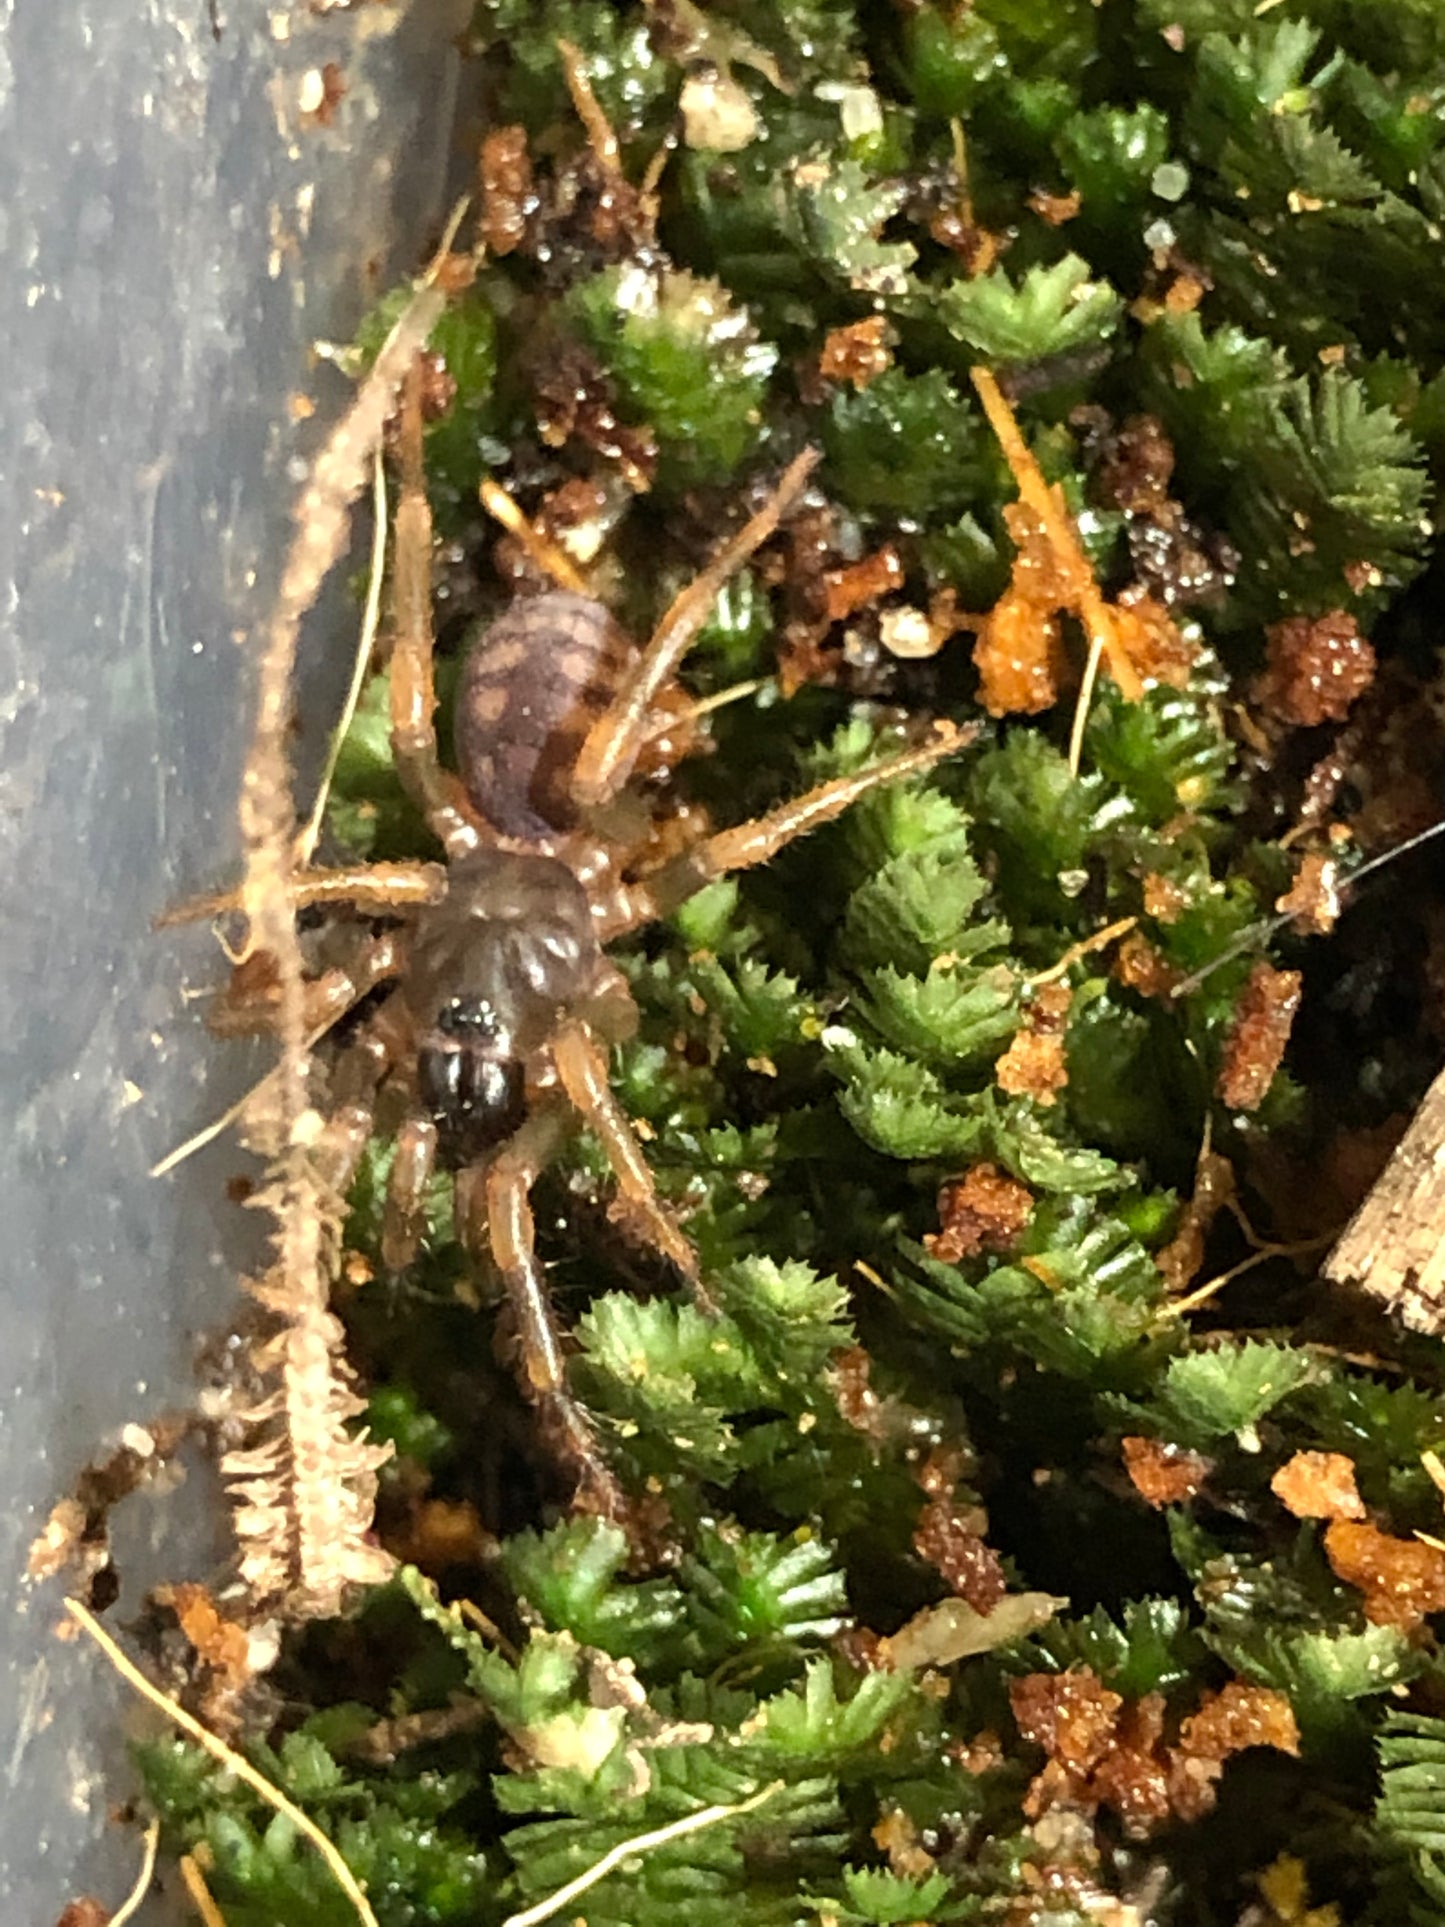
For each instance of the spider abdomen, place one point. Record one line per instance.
(532, 685)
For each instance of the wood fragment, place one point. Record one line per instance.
(1394, 1246)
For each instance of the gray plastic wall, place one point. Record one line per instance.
(174, 233)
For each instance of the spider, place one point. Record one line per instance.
(504, 1004)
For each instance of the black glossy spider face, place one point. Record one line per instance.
(472, 1086)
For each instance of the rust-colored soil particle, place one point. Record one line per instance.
(1164, 1474)
(1139, 966)
(1318, 1485)
(1019, 655)
(858, 353)
(860, 584)
(1257, 1037)
(1239, 1716)
(508, 197)
(1151, 638)
(984, 1210)
(949, 1537)
(1315, 669)
(1104, 1751)
(1034, 1065)
(1403, 1580)
(1164, 900)
(1313, 899)
(1071, 1715)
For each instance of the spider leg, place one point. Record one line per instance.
(403, 1216)
(614, 740)
(582, 1073)
(754, 842)
(413, 690)
(510, 1232)
(339, 1150)
(379, 887)
(249, 1004)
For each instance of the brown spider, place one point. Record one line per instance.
(505, 1004)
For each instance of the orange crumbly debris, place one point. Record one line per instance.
(1139, 966)
(1133, 1776)
(1237, 1717)
(1019, 655)
(1318, 1485)
(1315, 669)
(1034, 1065)
(1181, 1258)
(445, 1532)
(1152, 639)
(861, 584)
(1313, 899)
(85, 1912)
(984, 1210)
(1164, 900)
(897, 1835)
(1403, 1580)
(1052, 576)
(857, 354)
(1072, 1715)
(949, 1536)
(1104, 1751)
(220, 1642)
(858, 1404)
(1055, 208)
(982, 1754)
(507, 193)
(1255, 1045)
(1164, 1474)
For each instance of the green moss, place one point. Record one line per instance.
(687, 361)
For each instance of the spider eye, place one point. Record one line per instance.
(475, 1095)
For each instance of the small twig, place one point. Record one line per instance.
(210, 1132)
(489, 1629)
(705, 706)
(542, 550)
(1213, 1286)
(199, 1894)
(1083, 948)
(234, 1763)
(600, 137)
(370, 623)
(131, 1905)
(1081, 707)
(1261, 931)
(640, 1843)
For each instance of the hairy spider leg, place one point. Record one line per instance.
(247, 1007)
(505, 1190)
(379, 887)
(582, 1072)
(612, 744)
(436, 792)
(403, 1219)
(745, 845)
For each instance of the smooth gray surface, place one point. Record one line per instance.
(172, 236)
